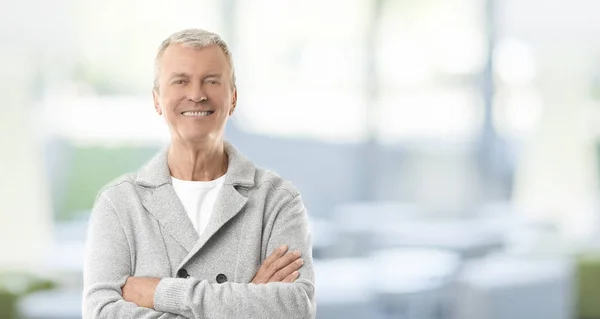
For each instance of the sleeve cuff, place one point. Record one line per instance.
(170, 295)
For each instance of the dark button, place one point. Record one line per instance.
(182, 273)
(221, 278)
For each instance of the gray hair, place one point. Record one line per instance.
(193, 38)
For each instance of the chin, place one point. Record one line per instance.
(200, 137)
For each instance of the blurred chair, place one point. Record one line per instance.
(63, 262)
(358, 224)
(51, 304)
(343, 288)
(502, 287)
(414, 283)
(324, 236)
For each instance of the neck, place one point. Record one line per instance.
(197, 162)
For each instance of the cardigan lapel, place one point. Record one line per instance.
(160, 199)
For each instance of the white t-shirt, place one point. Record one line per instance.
(198, 199)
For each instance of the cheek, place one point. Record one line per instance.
(223, 97)
(168, 107)
(170, 100)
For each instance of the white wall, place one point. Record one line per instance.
(557, 177)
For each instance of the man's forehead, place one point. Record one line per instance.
(205, 58)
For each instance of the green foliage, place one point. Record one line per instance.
(8, 302)
(17, 285)
(91, 168)
(588, 285)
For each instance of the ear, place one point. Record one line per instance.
(233, 101)
(156, 104)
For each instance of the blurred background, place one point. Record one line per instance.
(446, 150)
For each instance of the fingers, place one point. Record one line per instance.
(282, 262)
(275, 255)
(291, 277)
(278, 266)
(287, 270)
(262, 275)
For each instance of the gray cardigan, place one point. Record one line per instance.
(138, 227)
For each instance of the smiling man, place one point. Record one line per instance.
(199, 232)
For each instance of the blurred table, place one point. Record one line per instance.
(501, 287)
(414, 283)
(468, 238)
(343, 288)
(357, 224)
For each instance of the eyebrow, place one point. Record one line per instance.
(213, 75)
(179, 75)
(186, 75)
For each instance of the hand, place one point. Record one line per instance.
(279, 267)
(140, 291)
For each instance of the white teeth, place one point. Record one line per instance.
(190, 113)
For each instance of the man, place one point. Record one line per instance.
(199, 232)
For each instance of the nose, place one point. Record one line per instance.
(196, 94)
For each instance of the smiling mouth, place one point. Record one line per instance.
(196, 113)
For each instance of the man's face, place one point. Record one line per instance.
(195, 93)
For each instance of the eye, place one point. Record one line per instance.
(212, 81)
(181, 81)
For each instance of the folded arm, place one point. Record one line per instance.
(106, 268)
(195, 298)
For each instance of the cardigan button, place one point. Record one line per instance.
(182, 273)
(221, 278)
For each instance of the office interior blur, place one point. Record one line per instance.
(447, 151)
